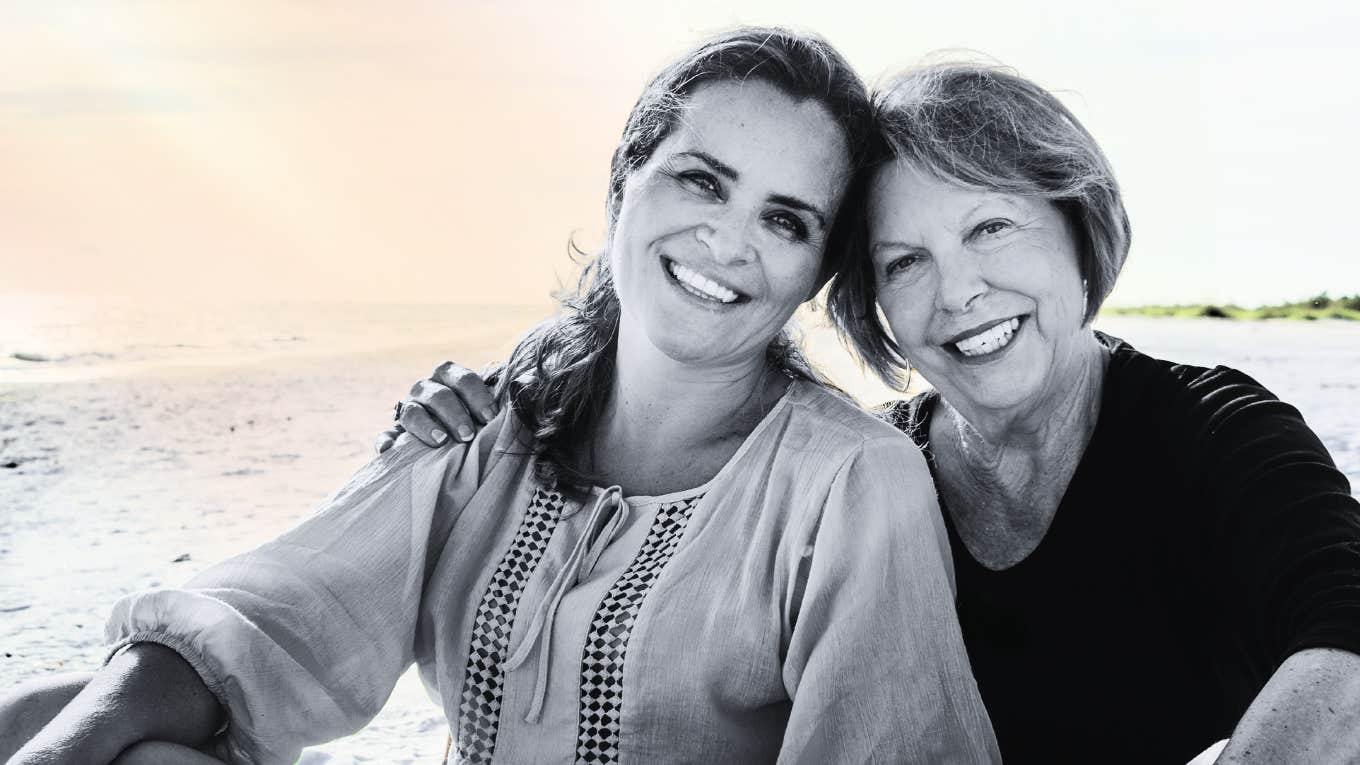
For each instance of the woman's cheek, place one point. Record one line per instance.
(796, 264)
(903, 295)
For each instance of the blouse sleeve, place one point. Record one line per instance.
(303, 639)
(1285, 530)
(876, 665)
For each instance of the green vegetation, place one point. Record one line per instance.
(1318, 307)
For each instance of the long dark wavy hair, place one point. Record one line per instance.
(559, 377)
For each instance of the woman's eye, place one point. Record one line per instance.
(899, 264)
(790, 223)
(701, 182)
(991, 227)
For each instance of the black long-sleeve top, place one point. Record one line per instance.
(1205, 536)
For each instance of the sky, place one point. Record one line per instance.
(448, 151)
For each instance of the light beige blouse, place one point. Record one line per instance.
(796, 608)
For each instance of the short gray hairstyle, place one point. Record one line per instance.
(986, 127)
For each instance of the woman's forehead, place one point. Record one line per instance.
(757, 130)
(902, 193)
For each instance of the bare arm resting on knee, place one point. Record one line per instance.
(145, 693)
(1309, 712)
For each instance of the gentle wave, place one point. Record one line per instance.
(43, 335)
(43, 358)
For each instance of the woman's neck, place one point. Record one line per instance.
(1002, 478)
(664, 412)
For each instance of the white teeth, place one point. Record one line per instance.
(699, 285)
(992, 340)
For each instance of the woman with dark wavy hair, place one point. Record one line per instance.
(670, 546)
(1150, 557)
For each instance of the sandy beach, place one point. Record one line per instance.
(116, 479)
(136, 482)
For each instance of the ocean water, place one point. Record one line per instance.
(55, 338)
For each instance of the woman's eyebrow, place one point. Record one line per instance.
(798, 204)
(717, 166)
(891, 245)
(731, 174)
(990, 199)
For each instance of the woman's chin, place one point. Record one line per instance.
(995, 390)
(690, 348)
(706, 340)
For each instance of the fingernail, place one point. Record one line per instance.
(488, 413)
(465, 433)
(439, 436)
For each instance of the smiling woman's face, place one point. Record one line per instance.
(720, 235)
(981, 289)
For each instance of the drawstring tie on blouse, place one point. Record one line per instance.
(579, 565)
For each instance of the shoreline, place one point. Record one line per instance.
(1338, 310)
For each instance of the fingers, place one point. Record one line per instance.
(418, 422)
(446, 408)
(387, 438)
(470, 387)
(454, 401)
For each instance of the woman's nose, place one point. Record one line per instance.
(960, 282)
(726, 240)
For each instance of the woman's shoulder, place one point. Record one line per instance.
(830, 446)
(839, 422)
(1214, 423)
(824, 436)
(1150, 389)
(505, 445)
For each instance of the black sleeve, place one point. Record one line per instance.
(1283, 537)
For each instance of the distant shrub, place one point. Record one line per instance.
(1311, 309)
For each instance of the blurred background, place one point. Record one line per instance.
(445, 151)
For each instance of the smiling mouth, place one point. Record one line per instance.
(991, 339)
(701, 286)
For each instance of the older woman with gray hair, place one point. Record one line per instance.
(1150, 557)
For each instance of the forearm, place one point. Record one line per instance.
(147, 692)
(1308, 712)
